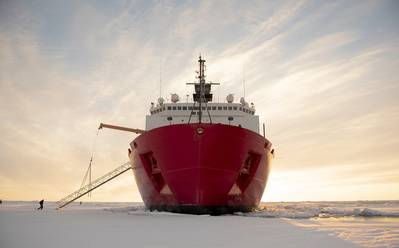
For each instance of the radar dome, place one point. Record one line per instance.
(230, 98)
(243, 102)
(175, 98)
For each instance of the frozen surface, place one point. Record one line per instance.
(364, 231)
(366, 223)
(331, 224)
(297, 210)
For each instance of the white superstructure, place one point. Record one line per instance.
(237, 114)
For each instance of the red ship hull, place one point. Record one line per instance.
(201, 168)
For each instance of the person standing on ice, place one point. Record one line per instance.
(41, 204)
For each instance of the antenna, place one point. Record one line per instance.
(243, 78)
(160, 78)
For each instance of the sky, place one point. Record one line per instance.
(323, 76)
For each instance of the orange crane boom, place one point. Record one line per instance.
(133, 130)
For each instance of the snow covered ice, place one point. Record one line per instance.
(299, 224)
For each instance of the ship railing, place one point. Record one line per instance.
(95, 184)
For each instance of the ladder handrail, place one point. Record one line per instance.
(95, 184)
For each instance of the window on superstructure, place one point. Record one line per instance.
(174, 108)
(203, 108)
(214, 108)
(184, 107)
(194, 112)
(209, 108)
(240, 109)
(219, 108)
(225, 108)
(169, 108)
(230, 108)
(196, 108)
(179, 108)
(234, 108)
(190, 108)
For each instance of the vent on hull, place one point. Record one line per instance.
(153, 170)
(247, 171)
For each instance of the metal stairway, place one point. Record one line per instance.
(95, 184)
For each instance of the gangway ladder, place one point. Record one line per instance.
(95, 184)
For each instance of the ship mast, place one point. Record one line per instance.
(202, 93)
(201, 78)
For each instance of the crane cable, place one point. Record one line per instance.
(88, 171)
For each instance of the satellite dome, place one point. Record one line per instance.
(160, 100)
(230, 98)
(175, 98)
